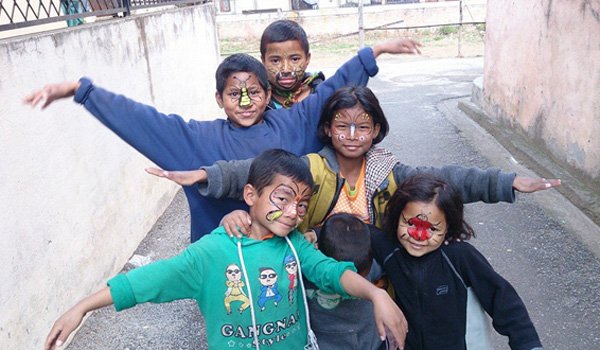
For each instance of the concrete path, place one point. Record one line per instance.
(535, 243)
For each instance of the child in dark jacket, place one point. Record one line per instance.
(243, 92)
(438, 279)
(341, 323)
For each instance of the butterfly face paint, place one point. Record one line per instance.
(355, 126)
(288, 199)
(421, 228)
(245, 97)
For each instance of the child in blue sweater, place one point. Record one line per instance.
(243, 92)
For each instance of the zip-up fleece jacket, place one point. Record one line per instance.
(383, 172)
(211, 271)
(434, 299)
(174, 144)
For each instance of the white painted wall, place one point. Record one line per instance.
(74, 199)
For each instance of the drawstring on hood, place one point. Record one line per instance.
(312, 339)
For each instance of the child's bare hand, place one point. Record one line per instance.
(311, 236)
(51, 92)
(529, 184)
(389, 319)
(236, 222)
(398, 46)
(63, 327)
(183, 178)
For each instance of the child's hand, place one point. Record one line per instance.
(63, 327)
(311, 236)
(236, 222)
(389, 319)
(529, 184)
(51, 93)
(399, 46)
(183, 178)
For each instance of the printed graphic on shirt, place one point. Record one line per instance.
(326, 301)
(235, 290)
(268, 289)
(291, 267)
(269, 333)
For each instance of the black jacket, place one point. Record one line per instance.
(433, 298)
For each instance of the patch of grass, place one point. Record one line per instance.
(447, 30)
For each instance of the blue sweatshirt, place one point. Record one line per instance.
(174, 144)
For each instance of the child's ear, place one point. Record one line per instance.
(268, 93)
(219, 99)
(308, 59)
(250, 195)
(376, 130)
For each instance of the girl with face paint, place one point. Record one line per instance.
(353, 175)
(436, 275)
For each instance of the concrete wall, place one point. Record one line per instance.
(345, 20)
(542, 76)
(74, 199)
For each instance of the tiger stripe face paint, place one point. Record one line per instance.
(422, 228)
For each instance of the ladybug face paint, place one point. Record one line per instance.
(419, 227)
(422, 228)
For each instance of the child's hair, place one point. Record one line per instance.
(283, 30)
(345, 237)
(427, 188)
(240, 62)
(348, 97)
(275, 162)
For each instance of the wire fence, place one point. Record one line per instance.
(26, 13)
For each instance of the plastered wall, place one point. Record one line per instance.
(74, 199)
(332, 21)
(542, 76)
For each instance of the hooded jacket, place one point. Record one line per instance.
(211, 271)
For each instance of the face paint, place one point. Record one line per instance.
(419, 227)
(244, 100)
(357, 125)
(286, 198)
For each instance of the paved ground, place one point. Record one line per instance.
(535, 243)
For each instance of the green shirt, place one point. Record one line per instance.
(209, 271)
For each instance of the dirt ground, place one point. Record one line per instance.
(329, 50)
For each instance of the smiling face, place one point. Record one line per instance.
(422, 228)
(279, 208)
(286, 63)
(243, 99)
(352, 132)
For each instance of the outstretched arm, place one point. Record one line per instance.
(530, 184)
(399, 46)
(167, 140)
(51, 93)
(71, 319)
(183, 178)
(388, 315)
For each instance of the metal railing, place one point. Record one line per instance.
(25, 13)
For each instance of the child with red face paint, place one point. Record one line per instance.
(439, 280)
(352, 175)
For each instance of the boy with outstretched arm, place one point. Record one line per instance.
(243, 92)
(241, 284)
